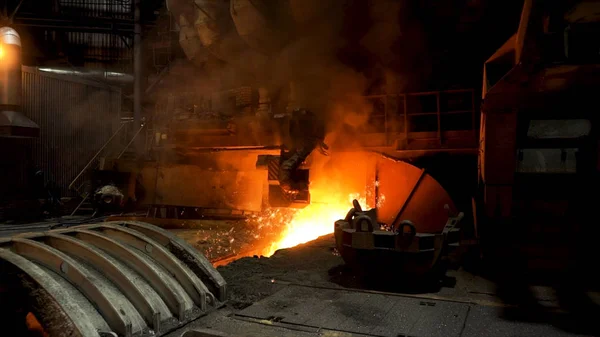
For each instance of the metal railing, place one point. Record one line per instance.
(95, 157)
(130, 142)
(433, 120)
(399, 115)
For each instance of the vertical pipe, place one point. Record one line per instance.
(376, 185)
(473, 120)
(292, 98)
(264, 102)
(137, 69)
(385, 120)
(405, 97)
(439, 118)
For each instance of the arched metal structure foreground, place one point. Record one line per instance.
(110, 279)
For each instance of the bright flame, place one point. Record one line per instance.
(307, 224)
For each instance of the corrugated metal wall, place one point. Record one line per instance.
(76, 117)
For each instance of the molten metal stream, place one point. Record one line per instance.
(300, 226)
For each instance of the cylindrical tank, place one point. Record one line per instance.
(12, 122)
(10, 69)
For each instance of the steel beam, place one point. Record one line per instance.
(188, 280)
(186, 253)
(174, 301)
(60, 306)
(109, 279)
(94, 257)
(137, 69)
(77, 275)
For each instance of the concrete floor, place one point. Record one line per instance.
(307, 291)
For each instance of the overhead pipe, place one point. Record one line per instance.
(110, 77)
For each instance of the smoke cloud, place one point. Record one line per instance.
(333, 51)
(324, 55)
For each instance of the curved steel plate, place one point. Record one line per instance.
(126, 278)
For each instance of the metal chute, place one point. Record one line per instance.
(123, 278)
(412, 227)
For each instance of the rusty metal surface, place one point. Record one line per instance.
(75, 116)
(410, 252)
(231, 188)
(129, 278)
(410, 194)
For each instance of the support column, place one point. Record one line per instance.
(137, 72)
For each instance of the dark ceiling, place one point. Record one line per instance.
(95, 34)
(456, 36)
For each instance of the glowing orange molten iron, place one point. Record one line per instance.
(307, 224)
(405, 192)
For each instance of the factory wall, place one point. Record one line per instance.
(200, 187)
(76, 117)
(214, 180)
